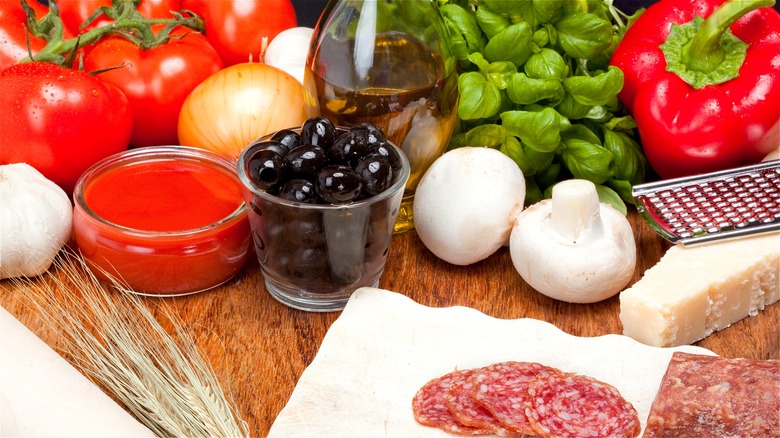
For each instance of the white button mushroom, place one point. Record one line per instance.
(35, 221)
(467, 202)
(572, 247)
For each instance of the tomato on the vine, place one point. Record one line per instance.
(238, 28)
(156, 81)
(75, 12)
(60, 120)
(13, 32)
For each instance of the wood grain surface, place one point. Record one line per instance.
(259, 347)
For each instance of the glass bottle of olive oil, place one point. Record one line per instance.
(387, 62)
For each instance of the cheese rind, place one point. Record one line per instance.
(695, 291)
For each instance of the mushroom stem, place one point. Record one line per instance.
(575, 208)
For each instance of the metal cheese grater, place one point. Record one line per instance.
(720, 205)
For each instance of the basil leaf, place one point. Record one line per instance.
(595, 90)
(540, 130)
(546, 64)
(465, 35)
(529, 160)
(579, 131)
(536, 12)
(583, 35)
(524, 90)
(548, 177)
(576, 6)
(479, 98)
(545, 35)
(622, 188)
(488, 135)
(587, 160)
(611, 197)
(513, 43)
(532, 192)
(457, 140)
(500, 73)
(490, 22)
(539, 161)
(513, 149)
(630, 163)
(510, 9)
(477, 59)
(598, 113)
(569, 107)
(624, 123)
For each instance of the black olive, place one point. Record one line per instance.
(305, 230)
(351, 146)
(318, 131)
(266, 169)
(288, 138)
(299, 190)
(272, 145)
(387, 150)
(375, 135)
(304, 161)
(307, 263)
(338, 184)
(375, 172)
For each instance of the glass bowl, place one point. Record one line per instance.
(313, 256)
(164, 220)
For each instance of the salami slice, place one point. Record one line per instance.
(461, 403)
(502, 388)
(430, 405)
(572, 405)
(715, 396)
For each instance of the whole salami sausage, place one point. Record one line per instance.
(573, 405)
(714, 396)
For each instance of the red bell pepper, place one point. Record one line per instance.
(705, 92)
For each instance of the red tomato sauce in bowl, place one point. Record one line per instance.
(164, 220)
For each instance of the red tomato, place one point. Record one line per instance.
(13, 32)
(59, 120)
(156, 81)
(75, 12)
(237, 28)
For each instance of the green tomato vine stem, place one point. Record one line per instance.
(127, 23)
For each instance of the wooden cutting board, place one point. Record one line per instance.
(259, 348)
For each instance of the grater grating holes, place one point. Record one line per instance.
(708, 205)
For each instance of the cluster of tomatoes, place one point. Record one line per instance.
(117, 94)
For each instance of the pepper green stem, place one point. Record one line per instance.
(706, 52)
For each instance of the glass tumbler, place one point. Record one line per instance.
(314, 256)
(387, 62)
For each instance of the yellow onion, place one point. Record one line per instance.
(239, 104)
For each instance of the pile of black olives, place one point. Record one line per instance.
(323, 164)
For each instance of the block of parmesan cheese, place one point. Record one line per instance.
(697, 290)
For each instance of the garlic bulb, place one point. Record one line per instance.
(35, 221)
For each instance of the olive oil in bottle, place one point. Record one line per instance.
(402, 81)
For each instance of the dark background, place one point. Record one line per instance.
(308, 11)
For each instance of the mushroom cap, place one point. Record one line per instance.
(586, 271)
(467, 202)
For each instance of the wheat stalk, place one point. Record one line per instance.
(115, 340)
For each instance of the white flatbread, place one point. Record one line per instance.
(384, 347)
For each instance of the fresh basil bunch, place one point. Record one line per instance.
(535, 82)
